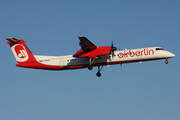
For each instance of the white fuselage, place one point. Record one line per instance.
(124, 56)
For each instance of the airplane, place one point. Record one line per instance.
(88, 56)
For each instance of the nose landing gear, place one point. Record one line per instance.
(166, 61)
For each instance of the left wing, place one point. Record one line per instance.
(86, 45)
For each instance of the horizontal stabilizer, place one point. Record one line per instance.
(13, 40)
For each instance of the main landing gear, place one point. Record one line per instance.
(99, 70)
(90, 67)
(91, 61)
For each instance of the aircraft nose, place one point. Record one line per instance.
(171, 55)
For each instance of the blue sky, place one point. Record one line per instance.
(148, 91)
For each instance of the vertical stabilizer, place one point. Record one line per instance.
(20, 50)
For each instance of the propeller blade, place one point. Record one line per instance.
(113, 49)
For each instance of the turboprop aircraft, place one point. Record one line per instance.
(88, 56)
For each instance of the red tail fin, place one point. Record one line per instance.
(20, 51)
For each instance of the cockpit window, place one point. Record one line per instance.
(159, 49)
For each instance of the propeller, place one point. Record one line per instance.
(113, 49)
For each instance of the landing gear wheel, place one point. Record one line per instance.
(90, 67)
(166, 61)
(99, 70)
(98, 74)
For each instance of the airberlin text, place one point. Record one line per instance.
(131, 53)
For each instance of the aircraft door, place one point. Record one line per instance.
(61, 62)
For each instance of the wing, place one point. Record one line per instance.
(85, 44)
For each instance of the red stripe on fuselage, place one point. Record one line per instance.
(37, 65)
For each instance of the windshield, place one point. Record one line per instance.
(159, 49)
